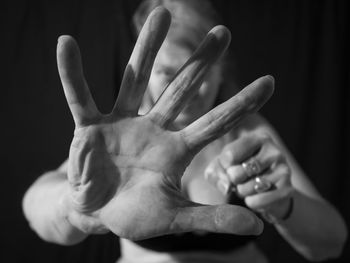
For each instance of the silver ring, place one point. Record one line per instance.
(261, 185)
(251, 167)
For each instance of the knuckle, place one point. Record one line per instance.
(209, 173)
(262, 136)
(230, 153)
(253, 203)
(235, 179)
(280, 156)
(265, 138)
(284, 170)
(228, 148)
(241, 190)
(226, 158)
(283, 177)
(235, 174)
(273, 148)
(277, 155)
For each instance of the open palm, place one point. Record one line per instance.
(125, 169)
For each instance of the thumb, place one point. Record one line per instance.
(229, 219)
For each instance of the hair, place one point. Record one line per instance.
(191, 21)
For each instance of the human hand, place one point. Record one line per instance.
(255, 167)
(124, 169)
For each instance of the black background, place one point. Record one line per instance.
(303, 44)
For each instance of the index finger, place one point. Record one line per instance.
(138, 70)
(225, 116)
(239, 150)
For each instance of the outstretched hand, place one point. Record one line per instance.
(125, 169)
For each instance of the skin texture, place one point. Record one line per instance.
(170, 58)
(322, 239)
(124, 170)
(226, 171)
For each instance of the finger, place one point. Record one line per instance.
(265, 159)
(240, 150)
(236, 174)
(269, 155)
(217, 176)
(228, 219)
(268, 199)
(225, 116)
(276, 178)
(77, 93)
(189, 78)
(138, 70)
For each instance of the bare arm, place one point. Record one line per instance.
(315, 228)
(47, 209)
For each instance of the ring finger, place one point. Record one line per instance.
(265, 159)
(263, 183)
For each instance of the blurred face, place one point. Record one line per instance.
(169, 59)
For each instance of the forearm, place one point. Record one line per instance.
(315, 229)
(47, 209)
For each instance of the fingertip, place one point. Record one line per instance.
(258, 92)
(249, 201)
(271, 78)
(162, 12)
(222, 34)
(226, 159)
(68, 53)
(155, 29)
(160, 19)
(238, 220)
(63, 38)
(255, 226)
(268, 84)
(235, 174)
(221, 31)
(64, 41)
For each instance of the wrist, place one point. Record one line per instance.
(83, 222)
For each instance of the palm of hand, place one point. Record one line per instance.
(125, 169)
(125, 161)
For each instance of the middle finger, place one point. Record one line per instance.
(189, 78)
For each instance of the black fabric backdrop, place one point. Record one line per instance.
(304, 44)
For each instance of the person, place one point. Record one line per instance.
(171, 169)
